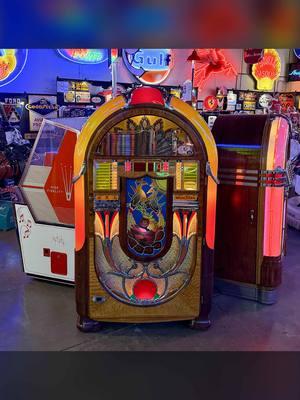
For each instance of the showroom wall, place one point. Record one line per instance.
(44, 65)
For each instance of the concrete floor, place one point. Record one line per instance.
(36, 315)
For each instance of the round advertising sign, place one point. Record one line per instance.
(149, 66)
(84, 56)
(210, 103)
(297, 53)
(265, 100)
(12, 62)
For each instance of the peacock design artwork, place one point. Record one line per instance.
(146, 215)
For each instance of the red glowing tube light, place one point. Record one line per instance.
(274, 196)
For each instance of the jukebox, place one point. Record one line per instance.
(251, 204)
(145, 197)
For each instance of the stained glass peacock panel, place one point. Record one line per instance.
(146, 217)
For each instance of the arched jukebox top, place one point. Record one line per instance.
(142, 193)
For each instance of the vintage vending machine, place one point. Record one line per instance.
(45, 218)
(251, 204)
(145, 198)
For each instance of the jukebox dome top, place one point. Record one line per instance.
(145, 95)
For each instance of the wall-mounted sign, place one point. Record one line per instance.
(210, 103)
(149, 66)
(287, 102)
(84, 56)
(40, 106)
(13, 109)
(297, 53)
(12, 62)
(213, 61)
(267, 70)
(294, 72)
(253, 56)
(265, 100)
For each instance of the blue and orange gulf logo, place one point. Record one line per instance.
(149, 66)
(12, 62)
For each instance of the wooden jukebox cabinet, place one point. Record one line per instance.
(251, 205)
(144, 212)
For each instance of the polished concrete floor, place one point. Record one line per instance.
(36, 315)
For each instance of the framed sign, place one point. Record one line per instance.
(294, 72)
(253, 56)
(39, 107)
(287, 102)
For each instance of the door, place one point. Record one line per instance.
(236, 233)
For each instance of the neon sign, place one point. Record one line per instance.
(12, 62)
(267, 70)
(294, 72)
(84, 56)
(149, 66)
(211, 61)
(297, 53)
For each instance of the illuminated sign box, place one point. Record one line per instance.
(294, 72)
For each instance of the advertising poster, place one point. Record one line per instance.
(39, 107)
(14, 112)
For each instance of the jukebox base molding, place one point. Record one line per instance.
(247, 291)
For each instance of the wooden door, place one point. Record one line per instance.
(236, 233)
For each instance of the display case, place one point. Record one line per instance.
(45, 219)
(144, 212)
(251, 204)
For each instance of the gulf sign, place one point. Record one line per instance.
(149, 66)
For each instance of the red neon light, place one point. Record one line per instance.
(212, 61)
(274, 196)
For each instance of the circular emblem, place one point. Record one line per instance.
(210, 103)
(12, 62)
(265, 100)
(149, 66)
(297, 53)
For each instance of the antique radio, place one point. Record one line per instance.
(251, 204)
(145, 198)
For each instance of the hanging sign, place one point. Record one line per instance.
(253, 56)
(12, 62)
(39, 107)
(267, 70)
(294, 72)
(149, 66)
(84, 56)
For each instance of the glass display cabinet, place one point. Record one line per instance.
(145, 196)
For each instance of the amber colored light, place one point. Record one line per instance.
(145, 289)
